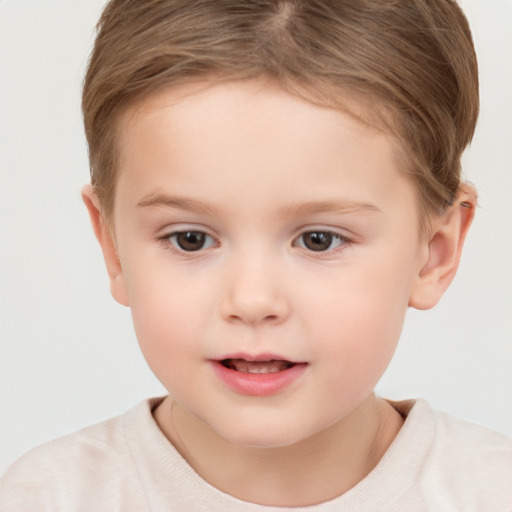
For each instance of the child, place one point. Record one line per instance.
(273, 185)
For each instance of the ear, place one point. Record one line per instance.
(443, 251)
(104, 237)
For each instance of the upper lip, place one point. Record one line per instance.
(264, 356)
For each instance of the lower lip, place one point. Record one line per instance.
(258, 384)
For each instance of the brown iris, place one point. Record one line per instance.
(190, 240)
(317, 240)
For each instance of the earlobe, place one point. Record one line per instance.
(444, 250)
(105, 239)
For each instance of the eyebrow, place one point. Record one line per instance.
(181, 203)
(339, 206)
(336, 206)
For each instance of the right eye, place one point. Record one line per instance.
(190, 241)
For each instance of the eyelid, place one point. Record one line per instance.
(345, 241)
(171, 231)
(175, 234)
(181, 227)
(336, 231)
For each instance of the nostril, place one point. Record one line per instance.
(248, 318)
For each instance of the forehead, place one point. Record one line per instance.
(363, 106)
(230, 136)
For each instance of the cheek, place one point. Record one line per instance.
(360, 341)
(169, 316)
(357, 326)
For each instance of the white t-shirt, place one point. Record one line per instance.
(436, 463)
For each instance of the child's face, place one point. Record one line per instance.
(253, 225)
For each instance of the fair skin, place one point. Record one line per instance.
(303, 246)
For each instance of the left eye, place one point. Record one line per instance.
(190, 241)
(319, 241)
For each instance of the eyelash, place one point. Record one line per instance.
(167, 241)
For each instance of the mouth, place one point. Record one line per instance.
(245, 366)
(261, 375)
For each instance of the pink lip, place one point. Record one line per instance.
(257, 384)
(264, 356)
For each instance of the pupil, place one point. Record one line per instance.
(317, 241)
(190, 240)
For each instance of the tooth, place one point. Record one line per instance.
(244, 366)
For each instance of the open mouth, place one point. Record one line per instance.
(258, 375)
(271, 366)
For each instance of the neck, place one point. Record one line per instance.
(312, 471)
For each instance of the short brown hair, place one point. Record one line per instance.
(413, 57)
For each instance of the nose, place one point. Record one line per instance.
(253, 294)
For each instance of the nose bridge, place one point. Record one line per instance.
(254, 292)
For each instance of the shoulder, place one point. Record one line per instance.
(65, 470)
(463, 463)
(477, 452)
(464, 444)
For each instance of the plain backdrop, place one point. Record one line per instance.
(68, 354)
